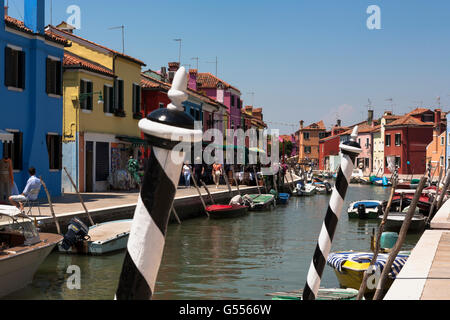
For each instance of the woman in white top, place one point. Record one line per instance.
(187, 175)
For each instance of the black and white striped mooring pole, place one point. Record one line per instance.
(164, 130)
(349, 151)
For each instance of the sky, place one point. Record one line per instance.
(303, 60)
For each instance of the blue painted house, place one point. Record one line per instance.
(31, 95)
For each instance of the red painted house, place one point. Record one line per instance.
(329, 148)
(407, 138)
(154, 94)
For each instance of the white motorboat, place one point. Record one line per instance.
(22, 249)
(97, 240)
(357, 176)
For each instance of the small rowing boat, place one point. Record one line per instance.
(395, 221)
(226, 211)
(260, 202)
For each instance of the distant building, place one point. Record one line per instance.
(309, 143)
(407, 138)
(378, 136)
(329, 159)
(31, 95)
(436, 150)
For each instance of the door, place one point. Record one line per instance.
(89, 166)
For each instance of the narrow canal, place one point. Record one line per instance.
(243, 258)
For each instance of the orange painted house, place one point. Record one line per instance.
(308, 144)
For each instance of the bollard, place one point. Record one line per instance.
(349, 152)
(164, 129)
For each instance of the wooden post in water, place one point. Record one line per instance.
(376, 250)
(207, 190)
(58, 228)
(292, 178)
(79, 196)
(235, 180)
(175, 214)
(227, 183)
(199, 193)
(401, 238)
(435, 200)
(256, 179)
(444, 190)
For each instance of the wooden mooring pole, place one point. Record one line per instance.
(199, 193)
(79, 196)
(58, 228)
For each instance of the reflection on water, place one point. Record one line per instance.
(243, 258)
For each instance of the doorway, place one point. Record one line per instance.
(89, 166)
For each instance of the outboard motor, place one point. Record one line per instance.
(328, 187)
(362, 211)
(77, 231)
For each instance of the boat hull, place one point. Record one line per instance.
(395, 221)
(17, 271)
(105, 238)
(262, 202)
(225, 212)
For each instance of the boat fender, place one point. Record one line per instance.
(77, 231)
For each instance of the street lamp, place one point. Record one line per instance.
(84, 96)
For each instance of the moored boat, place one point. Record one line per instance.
(226, 211)
(395, 221)
(97, 240)
(350, 266)
(283, 198)
(257, 202)
(365, 209)
(22, 250)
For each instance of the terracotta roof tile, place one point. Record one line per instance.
(208, 80)
(409, 120)
(72, 61)
(19, 25)
(67, 35)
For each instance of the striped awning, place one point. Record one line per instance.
(6, 136)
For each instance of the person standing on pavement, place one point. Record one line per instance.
(217, 172)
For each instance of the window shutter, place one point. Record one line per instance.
(21, 69)
(138, 92)
(8, 67)
(121, 106)
(82, 91)
(60, 154)
(105, 99)
(134, 99)
(116, 95)
(111, 100)
(91, 97)
(59, 78)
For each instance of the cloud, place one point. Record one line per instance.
(344, 112)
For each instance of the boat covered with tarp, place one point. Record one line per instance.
(259, 201)
(350, 266)
(365, 209)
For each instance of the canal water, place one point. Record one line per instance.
(242, 258)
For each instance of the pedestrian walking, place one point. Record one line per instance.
(217, 172)
(187, 175)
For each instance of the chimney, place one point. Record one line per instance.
(164, 74)
(437, 119)
(370, 118)
(192, 84)
(301, 124)
(173, 68)
(35, 15)
(338, 123)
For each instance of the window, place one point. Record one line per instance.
(86, 95)
(119, 98)
(398, 139)
(398, 162)
(366, 163)
(442, 141)
(53, 77)
(14, 68)
(232, 100)
(13, 150)
(388, 140)
(108, 99)
(308, 150)
(367, 143)
(442, 161)
(101, 161)
(137, 101)
(54, 148)
(306, 135)
(428, 118)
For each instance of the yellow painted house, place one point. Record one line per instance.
(102, 108)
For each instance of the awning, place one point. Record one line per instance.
(6, 136)
(137, 142)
